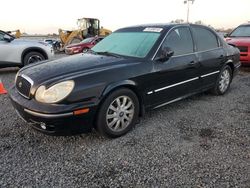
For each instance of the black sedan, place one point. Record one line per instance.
(130, 71)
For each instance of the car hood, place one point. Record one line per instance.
(71, 66)
(31, 43)
(77, 45)
(239, 41)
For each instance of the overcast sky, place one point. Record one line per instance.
(46, 16)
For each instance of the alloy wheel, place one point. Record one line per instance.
(34, 58)
(224, 80)
(120, 113)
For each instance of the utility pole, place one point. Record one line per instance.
(188, 4)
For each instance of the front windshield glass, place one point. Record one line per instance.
(242, 31)
(133, 44)
(87, 40)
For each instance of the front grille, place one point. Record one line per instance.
(243, 48)
(23, 86)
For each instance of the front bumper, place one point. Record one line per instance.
(71, 51)
(53, 119)
(245, 58)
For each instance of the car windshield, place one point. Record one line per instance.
(242, 31)
(133, 44)
(87, 40)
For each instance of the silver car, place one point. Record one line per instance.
(19, 52)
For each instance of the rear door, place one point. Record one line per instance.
(179, 75)
(210, 54)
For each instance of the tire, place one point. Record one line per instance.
(223, 82)
(32, 57)
(84, 50)
(114, 119)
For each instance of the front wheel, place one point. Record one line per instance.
(32, 57)
(85, 50)
(118, 113)
(224, 81)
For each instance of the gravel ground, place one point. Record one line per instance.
(203, 141)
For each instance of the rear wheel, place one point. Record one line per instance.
(118, 113)
(32, 57)
(224, 81)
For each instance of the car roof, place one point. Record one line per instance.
(244, 25)
(160, 25)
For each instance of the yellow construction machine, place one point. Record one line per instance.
(87, 27)
(15, 33)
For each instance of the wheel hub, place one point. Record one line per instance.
(121, 114)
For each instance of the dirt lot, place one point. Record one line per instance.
(203, 141)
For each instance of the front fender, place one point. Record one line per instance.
(95, 93)
(125, 83)
(115, 85)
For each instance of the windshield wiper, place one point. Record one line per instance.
(108, 54)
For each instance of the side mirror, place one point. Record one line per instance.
(164, 54)
(8, 38)
(226, 35)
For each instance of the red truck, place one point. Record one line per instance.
(240, 37)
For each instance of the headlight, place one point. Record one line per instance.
(55, 93)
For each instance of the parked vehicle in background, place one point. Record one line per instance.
(130, 71)
(87, 27)
(83, 46)
(56, 44)
(19, 52)
(240, 37)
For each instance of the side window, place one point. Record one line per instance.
(180, 41)
(205, 39)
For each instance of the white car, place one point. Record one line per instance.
(19, 52)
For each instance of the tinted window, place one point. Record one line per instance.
(205, 39)
(180, 41)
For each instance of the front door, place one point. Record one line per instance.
(179, 75)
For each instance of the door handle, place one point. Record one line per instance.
(192, 63)
(221, 57)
